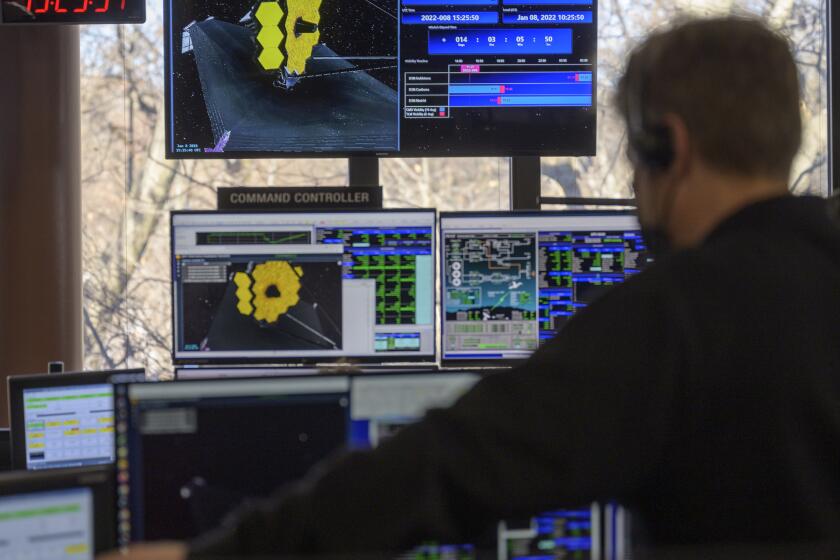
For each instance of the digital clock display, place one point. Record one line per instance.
(73, 11)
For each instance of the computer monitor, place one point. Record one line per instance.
(563, 533)
(191, 451)
(62, 420)
(57, 514)
(269, 78)
(381, 405)
(303, 287)
(510, 281)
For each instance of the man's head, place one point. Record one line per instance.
(713, 120)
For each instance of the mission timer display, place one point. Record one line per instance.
(504, 77)
(72, 11)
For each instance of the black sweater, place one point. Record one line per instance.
(704, 393)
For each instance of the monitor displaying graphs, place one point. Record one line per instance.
(303, 287)
(50, 525)
(267, 78)
(68, 426)
(511, 281)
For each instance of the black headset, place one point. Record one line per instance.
(649, 142)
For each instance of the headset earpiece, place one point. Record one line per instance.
(655, 148)
(650, 143)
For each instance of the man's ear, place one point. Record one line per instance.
(680, 145)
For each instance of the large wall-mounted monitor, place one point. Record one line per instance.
(510, 281)
(274, 78)
(304, 287)
(62, 420)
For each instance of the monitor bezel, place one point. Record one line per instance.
(192, 372)
(123, 405)
(100, 479)
(303, 361)
(509, 151)
(16, 384)
(503, 362)
(122, 385)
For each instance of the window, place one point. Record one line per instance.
(623, 23)
(446, 183)
(129, 187)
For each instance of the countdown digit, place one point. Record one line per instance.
(122, 6)
(44, 9)
(58, 8)
(83, 8)
(104, 8)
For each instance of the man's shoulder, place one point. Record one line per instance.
(658, 292)
(666, 278)
(693, 267)
(659, 297)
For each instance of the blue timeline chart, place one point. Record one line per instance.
(476, 70)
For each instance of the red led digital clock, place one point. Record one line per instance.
(73, 11)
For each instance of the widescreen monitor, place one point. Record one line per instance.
(269, 78)
(191, 451)
(510, 281)
(62, 420)
(382, 405)
(68, 514)
(303, 287)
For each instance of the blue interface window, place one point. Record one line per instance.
(567, 533)
(500, 64)
(578, 267)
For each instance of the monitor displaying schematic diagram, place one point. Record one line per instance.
(292, 78)
(303, 287)
(511, 281)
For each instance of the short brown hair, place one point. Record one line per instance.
(734, 83)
